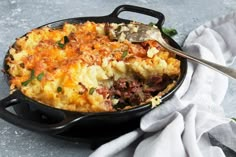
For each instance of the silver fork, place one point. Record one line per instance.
(140, 32)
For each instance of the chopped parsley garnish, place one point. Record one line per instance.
(124, 54)
(66, 39)
(91, 90)
(25, 83)
(169, 31)
(151, 24)
(59, 89)
(40, 76)
(32, 77)
(62, 45)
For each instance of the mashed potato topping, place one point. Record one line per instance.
(78, 68)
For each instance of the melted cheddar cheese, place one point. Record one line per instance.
(74, 67)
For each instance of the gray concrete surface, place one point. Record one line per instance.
(20, 16)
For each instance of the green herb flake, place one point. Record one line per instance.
(25, 83)
(124, 54)
(32, 76)
(234, 119)
(62, 45)
(91, 90)
(151, 24)
(66, 39)
(59, 89)
(40, 76)
(169, 31)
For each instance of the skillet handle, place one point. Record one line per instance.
(156, 14)
(17, 98)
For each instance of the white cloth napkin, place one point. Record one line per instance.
(180, 127)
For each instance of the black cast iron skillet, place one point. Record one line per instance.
(35, 116)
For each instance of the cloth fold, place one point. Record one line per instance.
(180, 126)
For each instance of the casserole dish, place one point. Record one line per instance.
(35, 116)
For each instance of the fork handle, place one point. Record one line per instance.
(222, 69)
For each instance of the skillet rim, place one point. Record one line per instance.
(77, 20)
(113, 17)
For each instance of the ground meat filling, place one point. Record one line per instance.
(134, 92)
